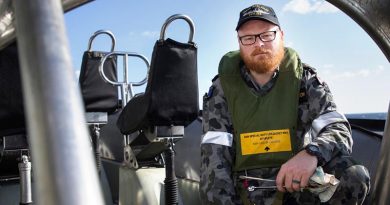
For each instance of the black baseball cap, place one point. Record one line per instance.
(259, 12)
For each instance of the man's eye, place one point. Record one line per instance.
(248, 38)
(266, 36)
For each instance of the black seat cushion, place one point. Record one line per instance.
(134, 115)
(98, 95)
(171, 96)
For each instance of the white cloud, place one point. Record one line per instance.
(347, 86)
(151, 34)
(380, 69)
(309, 6)
(331, 74)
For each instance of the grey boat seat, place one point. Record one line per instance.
(171, 96)
(97, 94)
(170, 101)
(100, 98)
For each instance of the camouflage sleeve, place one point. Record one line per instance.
(216, 182)
(215, 113)
(336, 137)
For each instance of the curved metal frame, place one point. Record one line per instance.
(126, 86)
(107, 32)
(175, 17)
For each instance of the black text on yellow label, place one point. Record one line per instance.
(265, 142)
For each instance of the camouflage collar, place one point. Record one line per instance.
(259, 89)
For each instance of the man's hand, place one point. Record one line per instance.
(296, 172)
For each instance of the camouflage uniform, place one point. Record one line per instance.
(218, 184)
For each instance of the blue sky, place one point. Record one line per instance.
(343, 54)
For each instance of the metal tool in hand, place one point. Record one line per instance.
(252, 188)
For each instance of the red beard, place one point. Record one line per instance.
(263, 60)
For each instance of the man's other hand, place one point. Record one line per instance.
(296, 172)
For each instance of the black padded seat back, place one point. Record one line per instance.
(12, 115)
(98, 95)
(173, 84)
(171, 95)
(134, 115)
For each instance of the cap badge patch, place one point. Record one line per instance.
(257, 11)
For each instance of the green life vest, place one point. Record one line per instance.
(264, 126)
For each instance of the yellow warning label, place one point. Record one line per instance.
(265, 142)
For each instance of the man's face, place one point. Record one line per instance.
(261, 57)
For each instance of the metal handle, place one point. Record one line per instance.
(125, 54)
(109, 33)
(178, 16)
(126, 87)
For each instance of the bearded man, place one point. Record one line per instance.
(272, 133)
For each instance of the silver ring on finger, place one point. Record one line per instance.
(295, 181)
